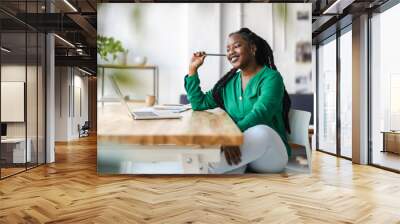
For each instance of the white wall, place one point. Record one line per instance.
(62, 81)
(14, 73)
(203, 34)
(81, 104)
(68, 82)
(17, 73)
(170, 33)
(231, 19)
(295, 31)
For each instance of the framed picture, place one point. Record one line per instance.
(303, 52)
(303, 15)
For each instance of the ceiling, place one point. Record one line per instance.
(332, 15)
(72, 20)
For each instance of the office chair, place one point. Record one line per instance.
(84, 130)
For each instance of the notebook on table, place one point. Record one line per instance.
(151, 114)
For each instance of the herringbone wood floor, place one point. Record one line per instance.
(70, 191)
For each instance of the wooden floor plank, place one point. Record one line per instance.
(70, 191)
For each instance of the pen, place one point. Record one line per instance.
(215, 54)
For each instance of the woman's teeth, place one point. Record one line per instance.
(234, 59)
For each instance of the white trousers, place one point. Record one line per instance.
(262, 150)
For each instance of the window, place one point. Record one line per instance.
(385, 89)
(346, 93)
(327, 96)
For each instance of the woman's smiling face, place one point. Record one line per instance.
(239, 51)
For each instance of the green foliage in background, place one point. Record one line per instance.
(137, 17)
(108, 45)
(123, 78)
(281, 10)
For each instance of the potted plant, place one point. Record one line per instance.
(107, 46)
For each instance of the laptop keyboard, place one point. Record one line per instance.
(145, 114)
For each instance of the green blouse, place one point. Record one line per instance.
(260, 103)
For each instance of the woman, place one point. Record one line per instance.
(254, 96)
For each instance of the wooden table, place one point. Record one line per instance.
(185, 145)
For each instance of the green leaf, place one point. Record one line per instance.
(108, 46)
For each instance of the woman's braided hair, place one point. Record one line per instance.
(264, 56)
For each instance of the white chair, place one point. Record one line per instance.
(299, 121)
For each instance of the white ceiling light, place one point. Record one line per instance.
(338, 6)
(86, 72)
(70, 5)
(5, 50)
(80, 51)
(65, 41)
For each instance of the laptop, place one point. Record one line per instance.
(144, 113)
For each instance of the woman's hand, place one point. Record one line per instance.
(196, 61)
(232, 154)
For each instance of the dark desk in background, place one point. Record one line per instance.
(391, 141)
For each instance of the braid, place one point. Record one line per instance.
(220, 85)
(268, 58)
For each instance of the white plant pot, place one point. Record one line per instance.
(139, 60)
(124, 58)
(121, 59)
